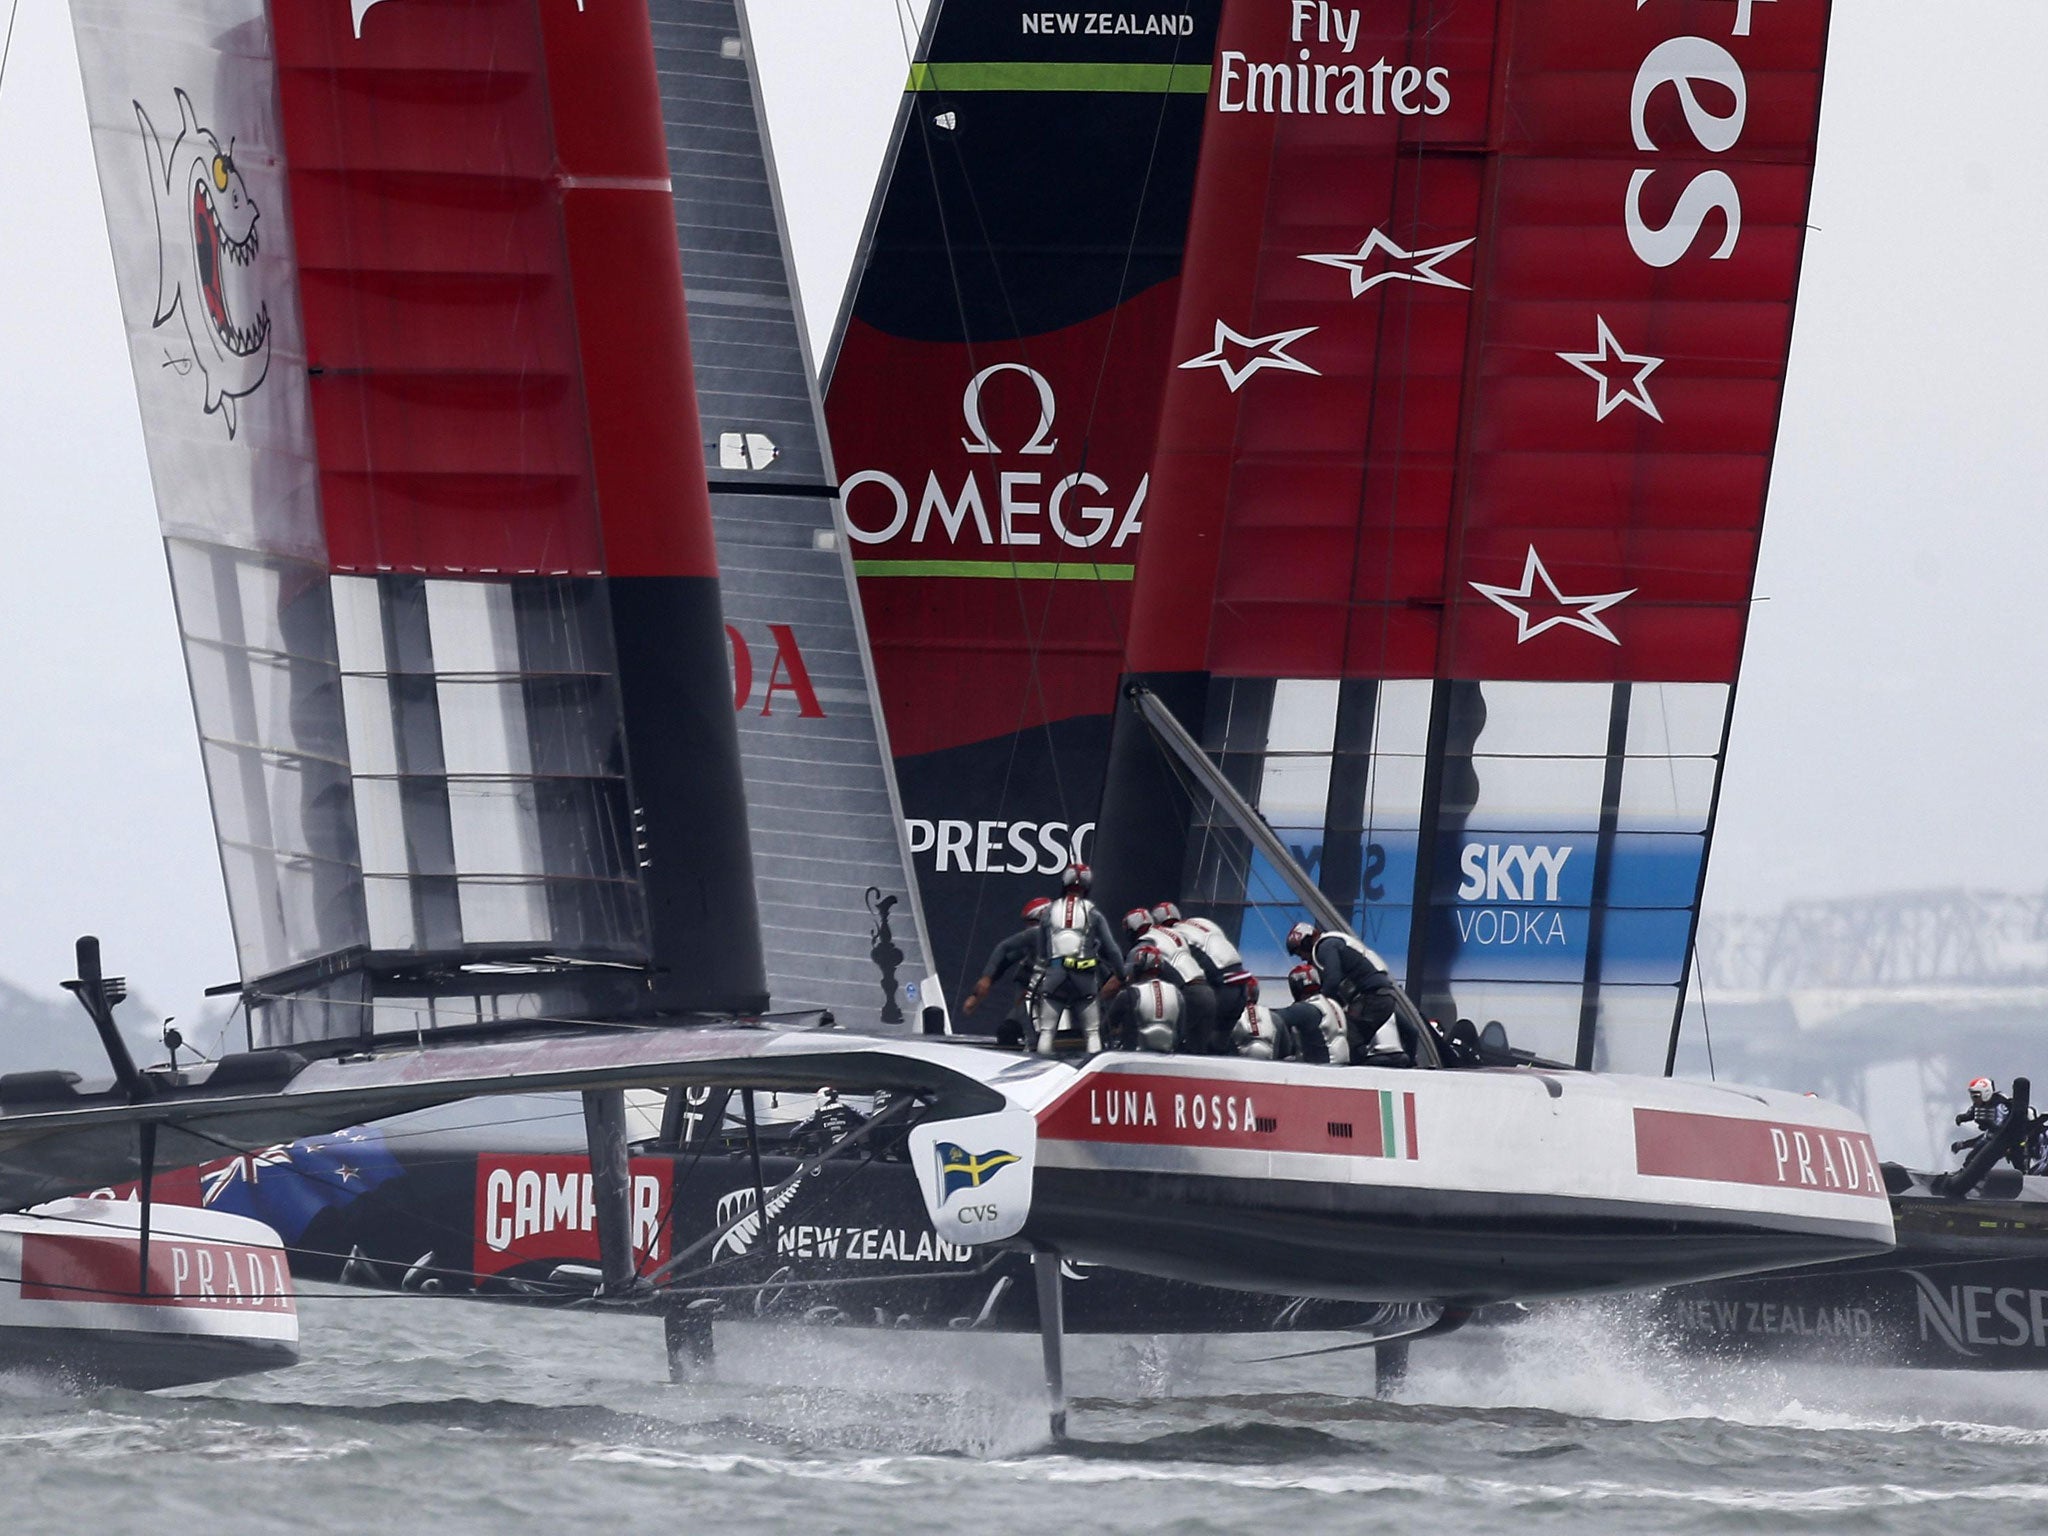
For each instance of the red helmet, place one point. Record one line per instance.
(1981, 1089)
(1303, 982)
(1034, 906)
(1076, 877)
(1301, 939)
(1166, 912)
(1136, 921)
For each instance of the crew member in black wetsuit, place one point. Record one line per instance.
(830, 1123)
(1349, 974)
(1019, 953)
(1989, 1109)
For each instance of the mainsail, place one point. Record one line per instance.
(833, 882)
(1453, 522)
(993, 393)
(407, 322)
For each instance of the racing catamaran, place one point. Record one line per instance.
(445, 552)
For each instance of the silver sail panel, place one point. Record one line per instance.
(829, 858)
(182, 101)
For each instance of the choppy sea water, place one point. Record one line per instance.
(423, 1414)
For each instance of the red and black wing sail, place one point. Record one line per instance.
(407, 318)
(1475, 381)
(992, 399)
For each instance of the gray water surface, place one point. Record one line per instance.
(422, 1414)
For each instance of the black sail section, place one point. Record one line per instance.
(993, 397)
(842, 925)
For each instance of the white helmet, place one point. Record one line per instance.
(1136, 921)
(1981, 1090)
(1165, 912)
(1076, 877)
(1301, 939)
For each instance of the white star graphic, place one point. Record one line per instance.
(1608, 350)
(1273, 355)
(1425, 272)
(1515, 600)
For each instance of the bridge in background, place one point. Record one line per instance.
(1889, 1003)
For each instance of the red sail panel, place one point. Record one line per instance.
(1480, 356)
(492, 293)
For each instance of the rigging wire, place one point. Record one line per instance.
(1706, 1025)
(7, 47)
(1034, 630)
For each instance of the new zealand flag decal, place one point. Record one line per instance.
(962, 1169)
(285, 1187)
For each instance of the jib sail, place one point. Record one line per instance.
(992, 397)
(407, 323)
(1475, 381)
(841, 923)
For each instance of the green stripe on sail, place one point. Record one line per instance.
(997, 570)
(1388, 1146)
(1141, 79)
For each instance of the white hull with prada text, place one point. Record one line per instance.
(1461, 1186)
(218, 1298)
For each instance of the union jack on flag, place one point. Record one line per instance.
(285, 1187)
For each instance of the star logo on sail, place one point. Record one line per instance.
(1423, 269)
(1623, 377)
(1538, 605)
(1238, 357)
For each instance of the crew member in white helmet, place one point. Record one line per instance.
(1222, 964)
(1349, 974)
(1186, 967)
(1145, 1014)
(1076, 947)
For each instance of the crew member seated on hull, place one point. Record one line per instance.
(1989, 1109)
(1019, 953)
(1222, 965)
(1076, 948)
(1347, 973)
(1184, 967)
(1145, 1013)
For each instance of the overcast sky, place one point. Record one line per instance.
(1890, 729)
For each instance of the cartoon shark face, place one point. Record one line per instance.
(206, 258)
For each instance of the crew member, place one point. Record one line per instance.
(1262, 1035)
(1222, 965)
(1989, 1109)
(1019, 953)
(1076, 947)
(1145, 1014)
(1348, 973)
(1187, 968)
(830, 1123)
(1342, 1041)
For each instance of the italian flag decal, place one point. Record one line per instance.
(1397, 1125)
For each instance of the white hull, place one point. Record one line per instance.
(219, 1299)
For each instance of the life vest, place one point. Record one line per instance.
(1068, 927)
(1212, 941)
(1176, 955)
(1155, 1013)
